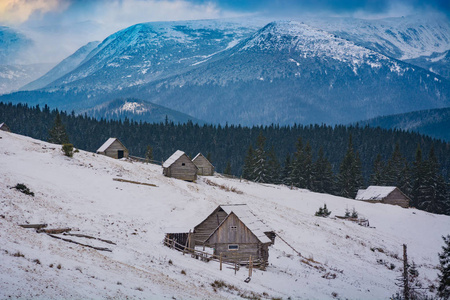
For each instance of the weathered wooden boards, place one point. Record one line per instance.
(65, 231)
(134, 182)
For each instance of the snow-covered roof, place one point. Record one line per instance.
(199, 154)
(106, 145)
(375, 193)
(173, 158)
(243, 212)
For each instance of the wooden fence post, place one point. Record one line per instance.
(250, 267)
(220, 261)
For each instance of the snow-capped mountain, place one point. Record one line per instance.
(417, 39)
(402, 37)
(151, 51)
(221, 71)
(64, 67)
(289, 72)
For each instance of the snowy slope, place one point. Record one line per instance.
(79, 193)
(12, 77)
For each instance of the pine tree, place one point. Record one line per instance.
(227, 170)
(273, 167)
(418, 189)
(433, 195)
(323, 175)
(149, 153)
(349, 179)
(260, 160)
(308, 170)
(297, 170)
(287, 169)
(376, 178)
(249, 164)
(57, 134)
(444, 270)
(396, 171)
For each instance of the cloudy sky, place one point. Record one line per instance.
(73, 23)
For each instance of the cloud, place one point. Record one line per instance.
(19, 11)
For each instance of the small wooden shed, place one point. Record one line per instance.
(236, 233)
(113, 148)
(180, 166)
(383, 194)
(204, 166)
(4, 127)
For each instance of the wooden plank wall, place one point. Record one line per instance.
(111, 151)
(397, 198)
(205, 168)
(177, 170)
(204, 229)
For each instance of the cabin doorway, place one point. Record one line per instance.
(119, 154)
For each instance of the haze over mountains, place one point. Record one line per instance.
(240, 72)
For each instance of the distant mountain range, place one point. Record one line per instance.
(433, 122)
(238, 72)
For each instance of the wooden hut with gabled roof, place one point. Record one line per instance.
(234, 232)
(4, 127)
(180, 166)
(383, 194)
(204, 166)
(113, 148)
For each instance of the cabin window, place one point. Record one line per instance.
(233, 228)
(233, 247)
(183, 164)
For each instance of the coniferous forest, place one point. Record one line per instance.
(337, 160)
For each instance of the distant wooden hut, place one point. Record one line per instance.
(236, 233)
(383, 194)
(205, 168)
(180, 166)
(4, 127)
(113, 148)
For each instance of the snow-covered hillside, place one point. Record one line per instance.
(80, 193)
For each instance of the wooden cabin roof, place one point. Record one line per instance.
(373, 192)
(246, 216)
(108, 143)
(173, 158)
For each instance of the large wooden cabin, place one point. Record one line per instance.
(234, 232)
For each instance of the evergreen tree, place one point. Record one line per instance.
(297, 170)
(57, 134)
(260, 160)
(287, 169)
(396, 171)
(227, 170)
(349, 179)
(444, 270)
(273, 167)
(418, 192)
(376, 178)
(323, 175)
(249, 164)
(433, 195)
(149, 153)
(308, 170)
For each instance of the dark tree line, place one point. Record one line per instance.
(303, 155)
(421, 179)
